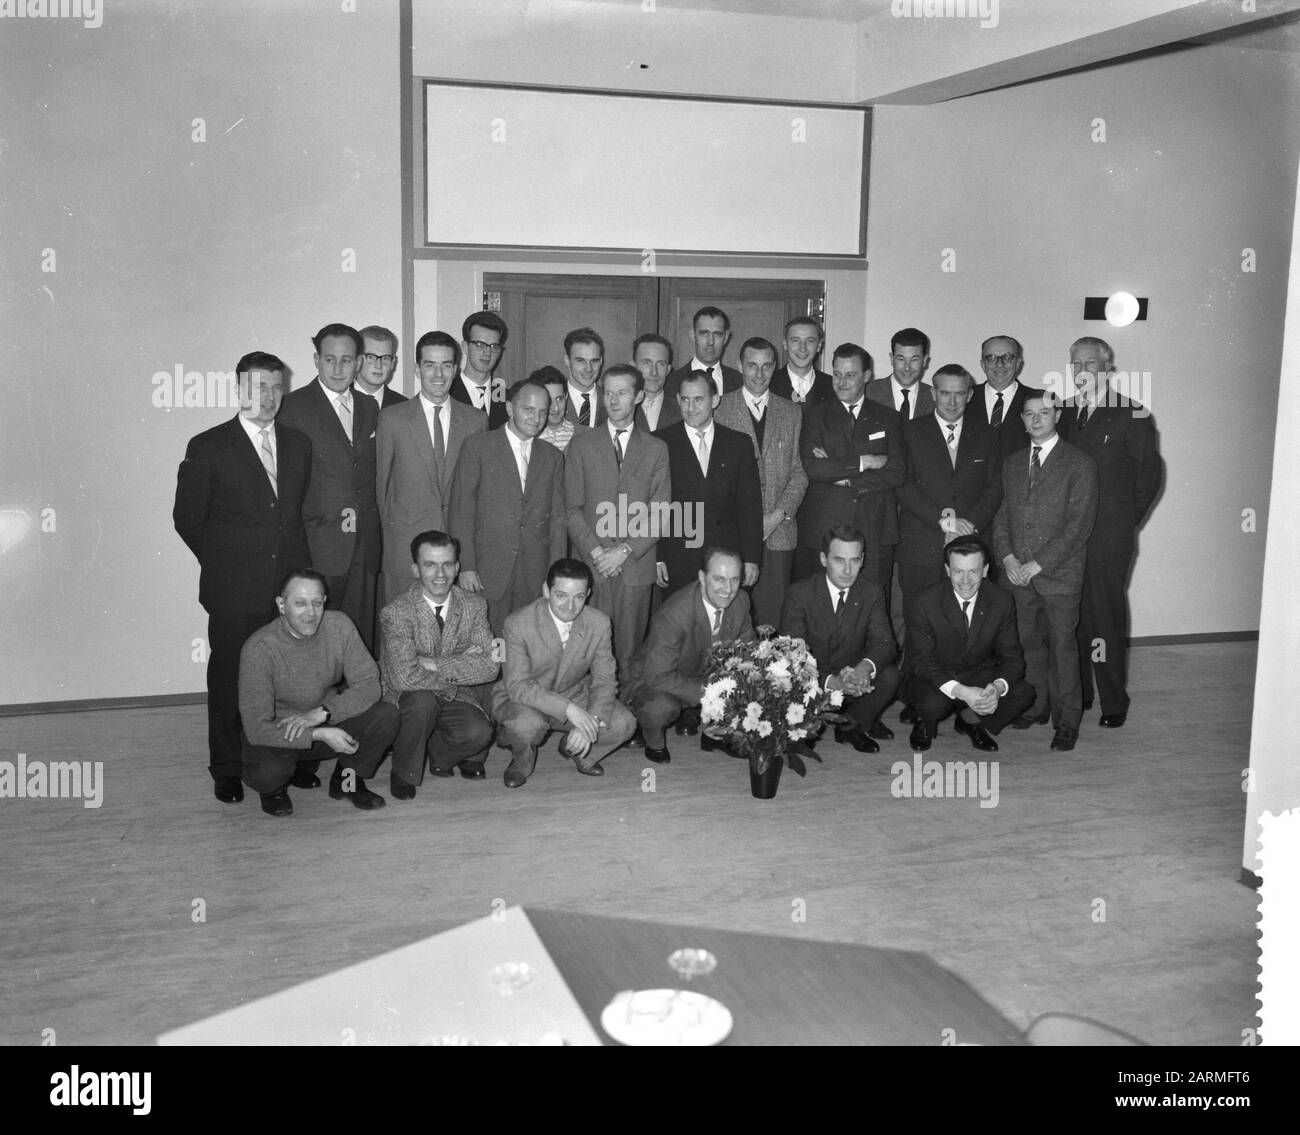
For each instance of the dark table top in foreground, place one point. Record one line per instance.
(780, 990)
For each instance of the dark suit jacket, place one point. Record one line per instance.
(973, 490)
(541, 674)
(867, 501)
(823, 387)
(731, 380)
(413, 493)
(675, 654)
(1050, 525)
(1121, 439)
(941, 649)
(595, 485)
(496, 415)
(1012, 430)
(862, 629)
(502, 527)
(669, 413)
(340, 508)
(390, 398)
(411, 631)
(731, 496)
(244, 536)
(921, 397)
(597, 409)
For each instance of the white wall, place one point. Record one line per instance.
(1198, 163)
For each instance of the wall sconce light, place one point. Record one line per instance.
(1118, 310)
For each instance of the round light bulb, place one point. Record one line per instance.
(1121, 309)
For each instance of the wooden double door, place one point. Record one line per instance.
(541, 308)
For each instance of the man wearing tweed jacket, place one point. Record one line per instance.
(435, 660)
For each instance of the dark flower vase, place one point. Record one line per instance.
(763, 784)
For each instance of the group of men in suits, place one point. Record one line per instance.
(795, 477)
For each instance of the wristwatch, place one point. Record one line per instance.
(327, 714)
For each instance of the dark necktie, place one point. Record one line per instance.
(1083, 416)
(996, 420)
(437, 615)
(839, 607)
(618, 446)
(717, 621)
(965, 610)
(439, 444)
(906, 408)
(584, 414)
(1035, 466)
(708, 373)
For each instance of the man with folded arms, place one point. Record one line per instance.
(965, 653)
(841, 616)
(559, 673)
(437, 659)
(308, 686)
(666, 680)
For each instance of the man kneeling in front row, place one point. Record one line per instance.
(559, 673)
(307, 685)
(965, 652)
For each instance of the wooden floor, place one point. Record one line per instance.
(99, 943)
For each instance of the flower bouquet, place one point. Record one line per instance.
(764, 699)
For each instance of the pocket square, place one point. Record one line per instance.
(876, 436)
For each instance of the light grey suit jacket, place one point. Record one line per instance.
(594, 484)
(412, 492)
(779, 467)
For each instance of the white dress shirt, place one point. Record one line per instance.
(652, 405)
(991, 399)
(522, 448)
(800, 388)
(715, 370)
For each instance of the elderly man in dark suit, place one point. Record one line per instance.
(772, 425)
(1120, 436)
(416, 449)
(964, 652)
(842, 618)
(999, 401)
(616, 492)
(799, 381)
(378, 365)
(559, 673)
(435, 665)
(652, 355)
(341, 513)
(710, 332)
(903, 391)
(666, 680)
(852, 450)
(239, 495)
(716, 487)
(507, 506)
(1049, 502)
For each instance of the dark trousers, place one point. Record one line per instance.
(519, 592)
(1103, 629)
(522, 730)
(227, 633)
(867, 709)
(933, 705)
(912, 580)
(656, 710)
(628, 608)
(445, 730)
(353, 593)
(1046, 624)
(768, 594)
(268, 768)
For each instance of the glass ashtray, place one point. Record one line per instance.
(691, 961)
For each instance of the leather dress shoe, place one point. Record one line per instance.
(908, 716)
(849, 735)
(714, 744)
(473, 772)
(401, 789)
(979, 736)
(880, 731)
(444, 772)
(658, 756)
(919, 738)
(277, 803)
(1065, 737)
(228, 789)
(688, 724)
(1025, 721)
(514, 779)
(360, 796)
(637, 740)
(304, 778)
(1113, 720)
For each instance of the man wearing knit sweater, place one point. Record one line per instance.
(308, 686)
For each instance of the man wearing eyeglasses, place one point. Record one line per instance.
(483, 338)
(378, 364)
(1000, 401)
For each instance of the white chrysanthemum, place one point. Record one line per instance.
(764, 729)
(798, 734)
(794, 713)
(753, 715)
